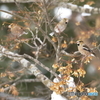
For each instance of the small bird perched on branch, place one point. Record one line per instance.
(16, 30)
(60, 27)
(84, 49)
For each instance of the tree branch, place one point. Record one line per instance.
(71, 6)
(19, 81)
(20, 1)
(26, 64)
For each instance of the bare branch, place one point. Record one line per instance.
(4, 96)
(20, 1)
(76, 54)
(71, 6)
(39, 63)
(26, 64)
(29, 80)
(19, 81)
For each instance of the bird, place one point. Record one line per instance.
(16, 30)
(84, 49)
(60, 27)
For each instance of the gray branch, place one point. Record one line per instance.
(71, 6)
(26, 64)
(20, 1)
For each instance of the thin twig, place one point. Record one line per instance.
(39, 63)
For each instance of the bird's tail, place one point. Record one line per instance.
(93, 54)
(51, 34)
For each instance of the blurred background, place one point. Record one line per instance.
(83, 26)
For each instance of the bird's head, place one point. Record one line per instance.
(65, 20)
(12, 25)
(79, 42)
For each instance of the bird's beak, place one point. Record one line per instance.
(9, 26)
(77, 42)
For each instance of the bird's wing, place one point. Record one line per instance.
(60, 28)
(85, 47)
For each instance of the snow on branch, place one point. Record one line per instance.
(92, 10)
(21, 1)
(73, 7)
(26, 64)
